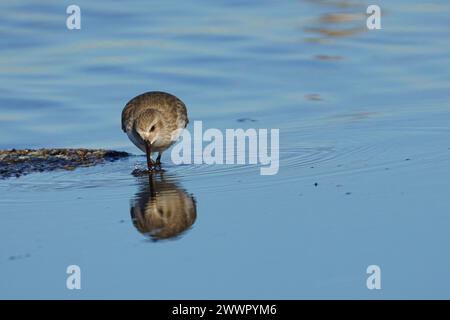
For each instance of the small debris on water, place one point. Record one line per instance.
(325, 57)
(313, 97)
(246, 120)
(19, 256)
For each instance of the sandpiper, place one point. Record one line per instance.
(153, 121)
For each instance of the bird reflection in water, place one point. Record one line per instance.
(161, 209)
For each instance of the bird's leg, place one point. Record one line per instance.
(148, 151)
(158, 160)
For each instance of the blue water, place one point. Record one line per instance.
(364, 149)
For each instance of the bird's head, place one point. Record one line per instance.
(149, 125)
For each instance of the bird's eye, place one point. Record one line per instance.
(152, 129)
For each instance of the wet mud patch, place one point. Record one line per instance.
(16, 163)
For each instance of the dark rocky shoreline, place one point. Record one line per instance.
(16, 163)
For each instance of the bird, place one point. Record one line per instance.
(153, 121)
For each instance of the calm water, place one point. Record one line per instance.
(364, 150)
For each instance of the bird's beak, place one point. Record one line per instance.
(148, 151)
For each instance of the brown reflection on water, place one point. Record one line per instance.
(161, 209)
(337, 20)
(338, 3)
(345, 18)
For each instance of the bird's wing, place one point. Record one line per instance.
(128, 114)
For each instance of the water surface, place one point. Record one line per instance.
(364, 150)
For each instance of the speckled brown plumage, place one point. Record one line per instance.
(152, 120)
(157, 100)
